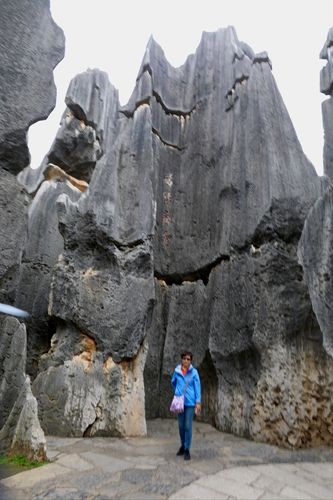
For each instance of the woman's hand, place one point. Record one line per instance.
(197, 409)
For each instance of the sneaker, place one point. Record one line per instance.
(187, 455)
(180, 451)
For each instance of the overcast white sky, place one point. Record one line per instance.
(112, 35)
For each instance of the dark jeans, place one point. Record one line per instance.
(185, 426)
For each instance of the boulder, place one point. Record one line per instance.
(20, 430)
(22, 433)
(89, 394)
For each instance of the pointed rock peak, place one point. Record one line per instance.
(329, 43)
(151, 42)
(153, 51)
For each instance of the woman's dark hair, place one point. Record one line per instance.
(186, 353)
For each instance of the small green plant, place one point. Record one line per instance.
(21, 461)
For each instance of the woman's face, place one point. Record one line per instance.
(186, 361)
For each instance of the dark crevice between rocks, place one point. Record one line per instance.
(209, 384)
(146, 69)
(91, 429)
(127, 246)
(138, 104)
(260, 59)
(329, 91)
(169, 111)
(80, 114)
(200, 274)
(232, 95)
(92, 241)
(165, 318)
(174, 146)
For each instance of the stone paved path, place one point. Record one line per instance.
(222, 467)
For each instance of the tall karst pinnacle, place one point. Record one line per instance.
(187, 238)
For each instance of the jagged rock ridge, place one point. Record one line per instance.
(186, 238)
(204, 185)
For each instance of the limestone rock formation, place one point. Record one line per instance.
(40, 253)
(20, 431)
(14, 204)
(316, 256)
(79, 141)
(87, 395)
(233, 189)
(198, 204)
(187, 237)
(28, 94)
(103, 287)
(28, 58)
(217, 178)
(31, 46)
(326, 87)
(315, 247)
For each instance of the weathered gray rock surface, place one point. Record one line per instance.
(315, 248)
(186, 239)
(20, 431)
(326, 87)
(219, 174)
(31, 46)
(233, 189)
(28, 94)
(28, 57)
(316, 256)
(79, 141)
(42, 247)
(103, 290)
(14, 204)
(213, 204)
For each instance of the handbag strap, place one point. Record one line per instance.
(188, 380)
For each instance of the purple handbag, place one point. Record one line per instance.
(177, 404)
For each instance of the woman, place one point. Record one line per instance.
(186, 379)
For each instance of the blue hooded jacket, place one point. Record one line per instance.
(193, 391)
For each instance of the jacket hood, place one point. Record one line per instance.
(179, 368)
